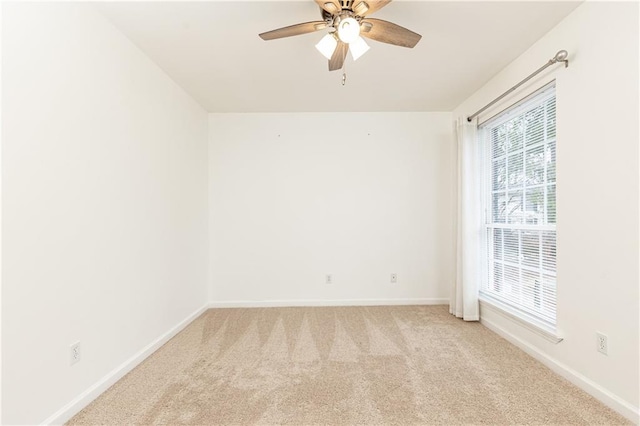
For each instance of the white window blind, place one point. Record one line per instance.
(519, 171)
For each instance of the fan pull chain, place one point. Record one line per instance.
(344, 72)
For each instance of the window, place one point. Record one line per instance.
(519, 171)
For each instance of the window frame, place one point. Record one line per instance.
(526, 317)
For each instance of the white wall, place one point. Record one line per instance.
(597, 109)
(294, 197)
(104, 186)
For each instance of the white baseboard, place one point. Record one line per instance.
(319, 302)
(86, 397)
(613, 401)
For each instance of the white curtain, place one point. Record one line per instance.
(464, 295)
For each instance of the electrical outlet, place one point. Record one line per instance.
(394, 278)
(602, 344)
(74, 353)
(329, 279)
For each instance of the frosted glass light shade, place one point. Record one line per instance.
(348, 30)
(327, 45)
(358, 47)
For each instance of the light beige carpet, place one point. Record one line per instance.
(338, 366)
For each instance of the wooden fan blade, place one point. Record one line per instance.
(331, 6)
(388, 32)
(338, 57)
(294, 30)
(367, 7)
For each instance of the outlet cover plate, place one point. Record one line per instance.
(74, 353)
(602, 345)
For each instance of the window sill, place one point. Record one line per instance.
(529, 323)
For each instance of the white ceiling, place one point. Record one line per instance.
(213, 51)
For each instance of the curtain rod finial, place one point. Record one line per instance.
(561, 56)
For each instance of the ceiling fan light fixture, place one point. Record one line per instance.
(348, 30)
(346, 21)
(327, 45)
(358, 48)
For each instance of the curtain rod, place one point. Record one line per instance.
(561, 56)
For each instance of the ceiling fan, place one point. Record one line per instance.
(347, 21)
